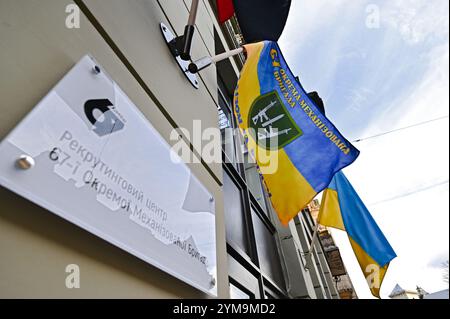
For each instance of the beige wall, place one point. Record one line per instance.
(36, 50)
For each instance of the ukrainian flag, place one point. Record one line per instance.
(343, 209)
(296, 147)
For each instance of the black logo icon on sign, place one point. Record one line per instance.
(105, 121)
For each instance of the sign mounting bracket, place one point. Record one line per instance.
(172, 43)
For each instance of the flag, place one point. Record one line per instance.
(278, 118)
(225, 9)
(343, 209)
(258, 19)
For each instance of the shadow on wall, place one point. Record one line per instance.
(33, 226)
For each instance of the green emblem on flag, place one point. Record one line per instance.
(271, 124)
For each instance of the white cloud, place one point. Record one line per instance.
(417, 20)
(305, 22)
(306, 19)
(416, 157)
(399, 163)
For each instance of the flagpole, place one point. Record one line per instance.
(226, 55)
(193, 12)
(203, 63)
(308, 256)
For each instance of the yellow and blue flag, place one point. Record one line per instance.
(343, 209)
(296, 147)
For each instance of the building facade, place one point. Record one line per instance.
(399, 293)
(256, 257)
(333, 257)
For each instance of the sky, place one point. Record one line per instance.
(379, 66)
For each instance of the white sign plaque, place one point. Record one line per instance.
(87, 154)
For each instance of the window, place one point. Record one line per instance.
(230, 142)
(238, 293)
(269, 258)
(234, 215)
(251, 236)
(255, 183)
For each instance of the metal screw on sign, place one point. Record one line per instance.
(25, 162)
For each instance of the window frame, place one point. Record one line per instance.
(250, 261)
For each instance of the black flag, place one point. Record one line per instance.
(262, 19)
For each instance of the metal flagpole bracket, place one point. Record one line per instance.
(175, 45)
(180, 47)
